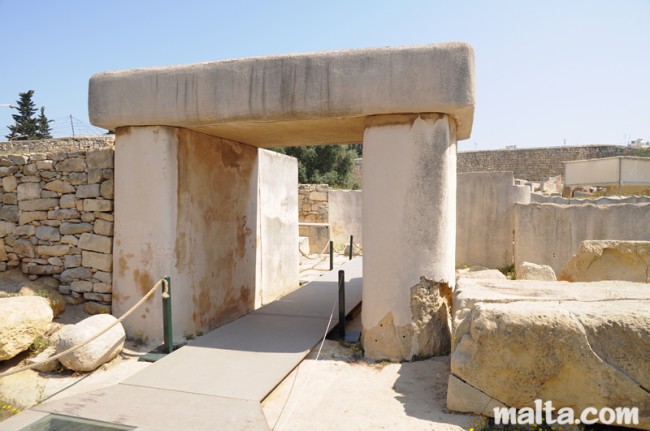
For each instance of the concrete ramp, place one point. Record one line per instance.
(218, 380)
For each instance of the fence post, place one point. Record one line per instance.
(341, 305)
(331, 255)
(351, 245)
(167, 317)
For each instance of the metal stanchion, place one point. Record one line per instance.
(167, 317)
(331, 255)
(341, 305)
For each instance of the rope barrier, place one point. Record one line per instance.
(165, 293)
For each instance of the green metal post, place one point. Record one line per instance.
(167, 318)
(331, 255)
(351, 246)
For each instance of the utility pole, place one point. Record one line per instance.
(72, 125)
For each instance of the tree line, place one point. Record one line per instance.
(26, 125)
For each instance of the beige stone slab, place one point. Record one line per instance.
(245, 359)
(298, 99)
(152, 409)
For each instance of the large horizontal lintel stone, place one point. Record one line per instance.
(299, 99)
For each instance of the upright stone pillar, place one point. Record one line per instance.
(409, 230)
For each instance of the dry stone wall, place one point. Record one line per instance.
(56, 216)
(313, 206)
(535, 164)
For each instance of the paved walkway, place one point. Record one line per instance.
(218, 380)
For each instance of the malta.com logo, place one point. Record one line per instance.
(544, 412)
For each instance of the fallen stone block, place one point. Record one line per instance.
(578, 345)
(22, 319)
(532, 271)
(96, 353)
(609, 260)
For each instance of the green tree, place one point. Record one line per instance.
(329, 164)
(27, 126)
(44, 130)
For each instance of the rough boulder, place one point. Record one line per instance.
(22, 319)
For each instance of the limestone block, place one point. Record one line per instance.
(59, 186)
(9, 213)
(30, 179)
(30, 169)
(102, 288)
(71, 165)
(48, 233)
(10, 199)
(53, 296)
(27, 191)
(45, 165)
(103, 227)
(75, 228)
(38, 204)
(56, 261)
(104, 216)
(92, 242)
(104, 277)
(94, 176)
(579, 345)
(81, 286)
(30, 216)
(44, 269)
(107, 174)
(37, 157)
(480, 273)
(71, 261)
(100, 261)
(9, 183)
(77, 178)
(101, 297)
(47, 175)
(72, 274)
(24, 248)
(45, 367)
(96, 353)
(19, 160)
(101, 159)
(92, 308)
(107, 189)
(97, 205)
(609, 260)
(63, 214)
(87, 191)
(25, 230)
(87, 217)
(68, 201)
(53, 250)
(6, 228)
(273, 92)
(49, 194)
(22, 319)
(532, 271)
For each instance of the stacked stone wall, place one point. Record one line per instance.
(313, 206)
(535, 164)
(56, 214)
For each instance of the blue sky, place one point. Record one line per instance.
(546, 71)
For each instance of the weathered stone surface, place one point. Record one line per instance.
(9, 183)
(6, 228)
(44, 165)
(75, 228)
(54, 298)
(96, 353)
(22, 319)
(101, 297)
(106, 189)
(97, 205)
(45, 367)
(72, 274)
(94, 176)
(53, 250)
(70, 239)
(10, 199)
(71, 261)
(98, 243)
(71, 165)
(100, 261)
(442, 81)
(102, 287)
(10, 213)
(63, 214)
(101, 159)
(103, 227)
(579, 345)
(77, 178)
(24, 248)
(429, 333)
(480, 273)
(59, 186)
(609, 260)
(48, 233)
(44, 270)
(68, 201)
(88, 191)
(92, 307)
(30, 216)
(104, 277)
(27, 191)
(19, 160)
(81, 286)
(30, 169)
(532, 271)
(38, 204)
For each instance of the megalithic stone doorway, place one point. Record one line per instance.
(186, 132)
